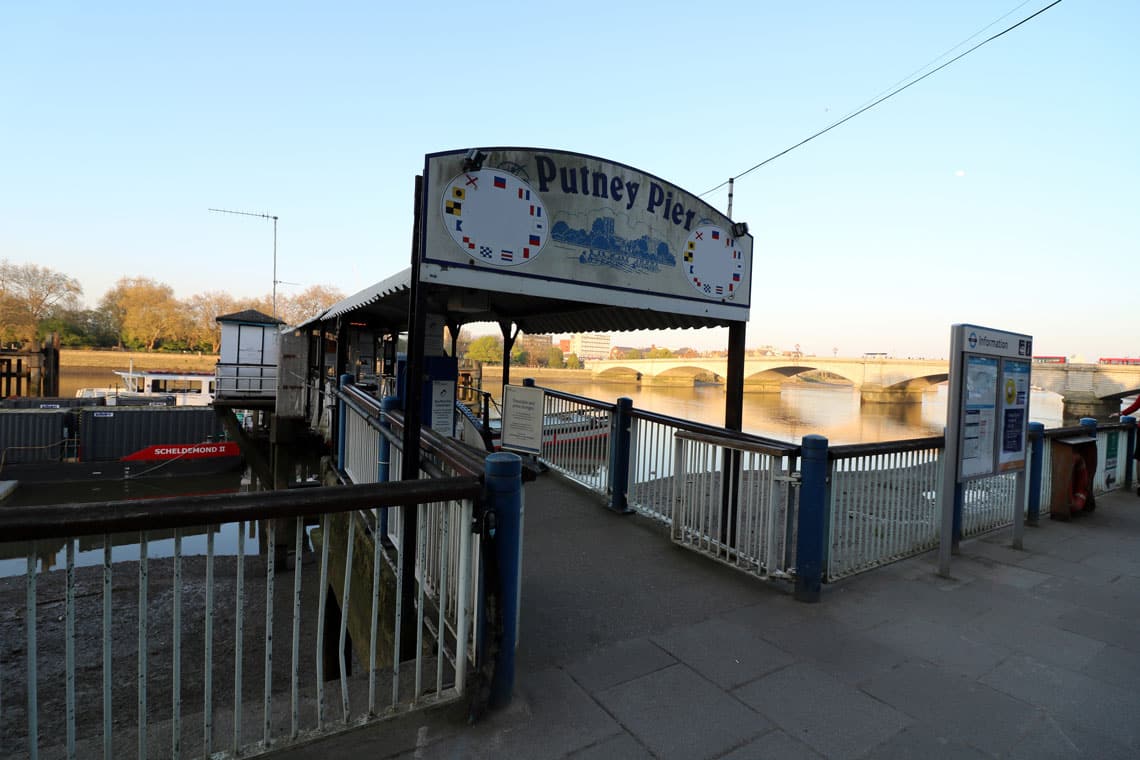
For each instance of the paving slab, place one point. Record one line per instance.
(1073, 700)
(775, 744)
(725, 653)
(618, 663)
(920, 740)
(677, 713)
(962, 708)
(956, 649)
(835, 719)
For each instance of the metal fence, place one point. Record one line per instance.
(577, 436)
(883, 498)
(448, 577)
(746, 520)
(883, 503)
(185, 654)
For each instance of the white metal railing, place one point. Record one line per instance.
(989, 504)
(245, 380)
(448, 578)
(196, 654)
(576, 438)
(747, 520)
(361, 447)
(651, 469)
(883, 506)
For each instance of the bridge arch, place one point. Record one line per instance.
(907, 391)
(618, 374)
(771, 379)
(687, 375)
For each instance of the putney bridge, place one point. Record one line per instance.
(1087, 389)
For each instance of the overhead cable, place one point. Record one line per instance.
(889, 95)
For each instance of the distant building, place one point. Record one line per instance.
(564, 344)
(535, 345)
(590, 345)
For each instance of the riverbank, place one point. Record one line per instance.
(71, 358)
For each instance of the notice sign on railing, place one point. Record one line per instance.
(522, 418)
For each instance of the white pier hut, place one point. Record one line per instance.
(247, 365)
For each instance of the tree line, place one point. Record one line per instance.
(137, 313)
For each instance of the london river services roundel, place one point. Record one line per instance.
(713, 263)
(495, 217)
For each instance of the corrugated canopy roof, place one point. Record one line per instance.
(385, 305)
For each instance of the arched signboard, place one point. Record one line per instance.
(575, 227)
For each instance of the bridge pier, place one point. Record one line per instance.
(763, 386)
(1077, 404)
(871, 393)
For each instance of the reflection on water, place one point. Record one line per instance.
(51, 555)
(833, 412)
(89, 549)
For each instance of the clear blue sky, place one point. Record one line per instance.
(1001, 191)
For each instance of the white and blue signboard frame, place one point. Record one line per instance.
(579, 228)
(987, 417)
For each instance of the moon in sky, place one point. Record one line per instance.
(960, 173)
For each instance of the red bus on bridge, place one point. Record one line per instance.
(1050, 360)
(1129, 360)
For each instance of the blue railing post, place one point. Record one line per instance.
(503, 483)
(1089, 425)
(812, 518)
(341, 421)
(1036, 462)
(619, 455)
(1129, 449)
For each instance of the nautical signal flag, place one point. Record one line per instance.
(524, 195)
(716, 234)
(458, 193)
(535, 240)
(501, 183)
(736, 276)
(455, 208)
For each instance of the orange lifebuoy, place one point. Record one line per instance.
(1080, 483)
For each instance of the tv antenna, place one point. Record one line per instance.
(261, 216)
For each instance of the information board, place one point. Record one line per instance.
(522, 418)
(987, 419)
(989, 377)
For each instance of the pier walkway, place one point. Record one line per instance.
(633, 648)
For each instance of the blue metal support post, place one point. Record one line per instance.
(812, 519)
(341, 419)
(1129, 449)
(619, 456)
(503, 487)
(1036, 462)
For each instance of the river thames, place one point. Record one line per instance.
(801, 409)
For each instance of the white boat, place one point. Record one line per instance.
(187, 388)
